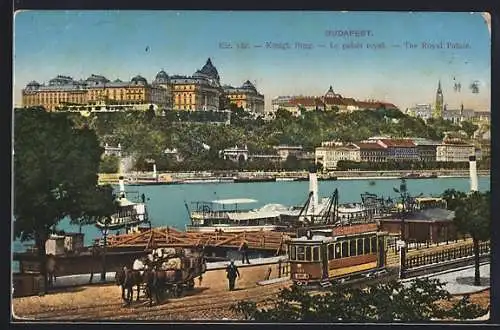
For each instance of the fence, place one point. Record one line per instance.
(446, 255)
(283, 269)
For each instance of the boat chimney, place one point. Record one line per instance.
(313, 187)
(154, 170)
(122, 186)
(473, 174)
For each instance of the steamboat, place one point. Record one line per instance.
(130, 214)
(234, 215)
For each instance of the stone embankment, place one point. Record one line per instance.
(208, 175)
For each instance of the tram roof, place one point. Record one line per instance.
(323, 239)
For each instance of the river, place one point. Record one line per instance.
(166, 202)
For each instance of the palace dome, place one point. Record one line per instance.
(208, 70)
(161, 76)
(139, 80)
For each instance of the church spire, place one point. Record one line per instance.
(438, 108)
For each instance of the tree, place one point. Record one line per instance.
(469, 128)
(55, 173)
(418, 300)
(472, 216)
(95, 205)
(109, 164)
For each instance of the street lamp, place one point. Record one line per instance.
(105, 235)
(403, 193)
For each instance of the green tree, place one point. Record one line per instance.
(55, 174)
(418, 300)
(469, 128)
(109, 164)
(473, 216)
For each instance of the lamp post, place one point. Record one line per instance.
(402, 191)
(105, 235)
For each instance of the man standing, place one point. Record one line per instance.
(232, 272)
(244, 252)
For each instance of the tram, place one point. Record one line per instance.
(321, 256)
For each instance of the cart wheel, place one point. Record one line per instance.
(190, 285)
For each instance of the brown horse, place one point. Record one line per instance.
(127, 279)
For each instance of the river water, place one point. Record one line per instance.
(166, 203)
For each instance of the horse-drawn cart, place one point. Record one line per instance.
(165, 272)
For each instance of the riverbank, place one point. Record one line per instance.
(166, 178)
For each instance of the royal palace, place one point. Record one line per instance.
(201, 91)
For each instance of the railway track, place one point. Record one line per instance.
(170, 309)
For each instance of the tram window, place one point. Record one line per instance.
(315, 253)
(367, 245)
(352, 247)
(360, 246)
(331, 250)
(374, 244)
(308, 253)
(338, 255)
(301, 255)
(345, 252)
(292, 253)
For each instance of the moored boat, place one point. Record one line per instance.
(130, 213)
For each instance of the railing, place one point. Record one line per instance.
(283, 269)
(446, 255)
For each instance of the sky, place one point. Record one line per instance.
(122, 44)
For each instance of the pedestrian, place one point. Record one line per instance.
(244, 252)
(232, 272)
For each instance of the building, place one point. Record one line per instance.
(65, 94)
(59, 91)
(235, 154)
(201, 91)
(458, 115)
(284, 151)
(371, 152)
(327, 102)
(426, 149)
(162, 80)
(431, 225)
(423, 111)
(400, 149)
(438, 107)
(135, 91)
(113, 151)
(451, 151)
(246, 97)
(329, 154)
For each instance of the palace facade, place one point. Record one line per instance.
(200, 91)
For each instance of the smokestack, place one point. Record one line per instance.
(122, 187)
(473, 174)
(154, 170)
(313, 187)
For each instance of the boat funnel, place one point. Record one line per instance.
(122, 187)
(154, 171)
(473, 173)
(313, 187)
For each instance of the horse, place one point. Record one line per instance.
(51, 267)
(157, 282)
(127, 279)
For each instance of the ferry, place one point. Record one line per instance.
(233, 215)
(130, 214)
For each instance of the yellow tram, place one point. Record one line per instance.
(330, 254)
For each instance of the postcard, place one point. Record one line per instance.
(251, 166)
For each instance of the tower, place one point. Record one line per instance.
(438, 108)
